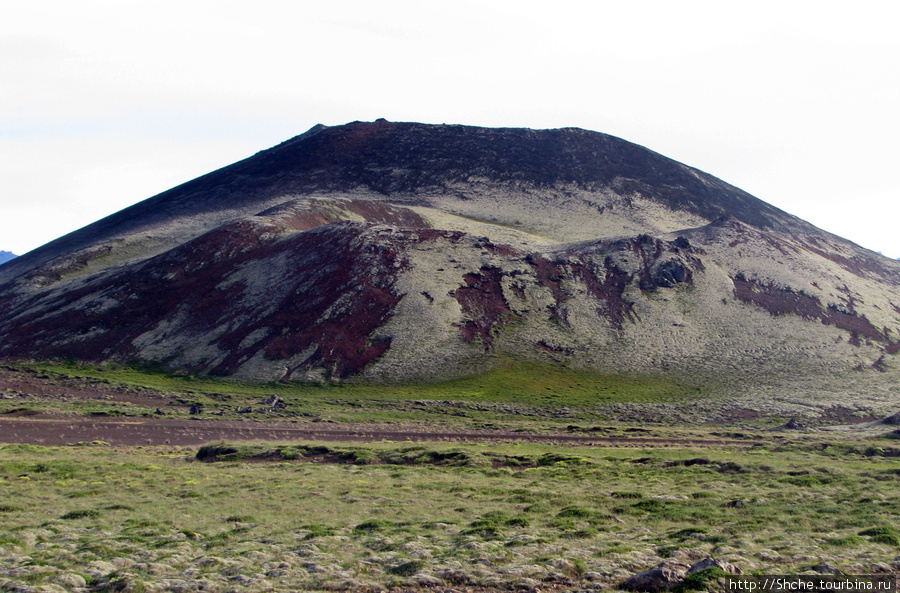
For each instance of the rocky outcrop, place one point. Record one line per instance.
(673, 575)
(661, 578)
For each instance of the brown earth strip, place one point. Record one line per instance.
(60, 430)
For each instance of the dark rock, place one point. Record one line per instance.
(274, 402)
(792, 424)
(714, 563)
(662, 578)
(893, 420)
(670, 575)
(670, 273)
(825, 568)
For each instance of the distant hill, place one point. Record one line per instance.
(5, 256)
(408, 252)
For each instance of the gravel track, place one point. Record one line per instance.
(50, 430)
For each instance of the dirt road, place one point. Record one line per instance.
(51, 430)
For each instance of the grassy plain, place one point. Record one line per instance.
(306, 516)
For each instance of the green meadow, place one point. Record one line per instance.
(434, 516)
(523, 393)
(376, 516)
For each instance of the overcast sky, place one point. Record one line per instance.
(106, 103)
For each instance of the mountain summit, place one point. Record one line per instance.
(408, 252)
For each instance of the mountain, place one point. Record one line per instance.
(5, 256)
(408, 252)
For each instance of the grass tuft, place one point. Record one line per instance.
(373, 525)
(407, 569)
(700, 580)
(883, 535)
(81, 514)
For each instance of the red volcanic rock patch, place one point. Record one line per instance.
(660, 264)
(99, 320)
(782, 301)
(550, 275)
(859, 265)
(483, 302)
(776, 300)
(608, 292)
(341, 290)
(335, 290)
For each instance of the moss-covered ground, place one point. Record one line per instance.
(307, 516)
